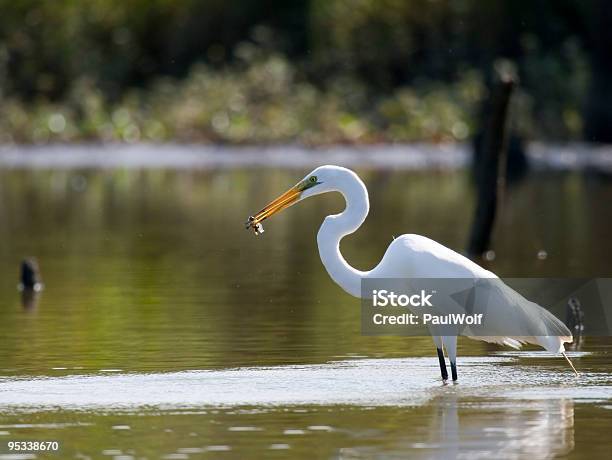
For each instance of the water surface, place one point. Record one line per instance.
(166, 329)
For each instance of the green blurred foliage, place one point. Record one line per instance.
(312, 71)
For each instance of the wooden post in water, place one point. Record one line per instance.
(30, 275)
(30, 283)
(574, 320)
(490, 173)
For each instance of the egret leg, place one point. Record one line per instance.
(450, 345)
(442, 364)
(454, 370)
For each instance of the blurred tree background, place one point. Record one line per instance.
(311, 71)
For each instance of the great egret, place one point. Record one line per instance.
(408, 256)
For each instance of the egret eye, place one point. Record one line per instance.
(312, 179)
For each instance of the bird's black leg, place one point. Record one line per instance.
(443, 364)
(454, 370)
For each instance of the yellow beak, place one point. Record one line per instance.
(288, 198)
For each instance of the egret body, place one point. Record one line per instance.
(408, 256)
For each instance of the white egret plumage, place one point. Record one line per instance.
(408, 256)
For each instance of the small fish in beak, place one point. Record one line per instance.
(256, 226)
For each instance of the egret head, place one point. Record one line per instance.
(318, 181)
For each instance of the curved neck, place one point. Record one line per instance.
(336, 227)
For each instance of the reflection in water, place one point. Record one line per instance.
(29, 299)
(537, 428)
